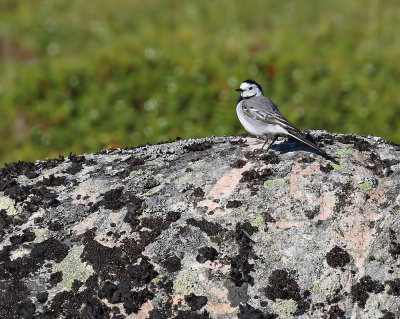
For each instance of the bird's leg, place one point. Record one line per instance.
(270, 144)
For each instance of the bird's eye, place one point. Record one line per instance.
(250, 88)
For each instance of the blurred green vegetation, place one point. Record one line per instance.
(78, 76)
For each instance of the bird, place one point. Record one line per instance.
(262, 118)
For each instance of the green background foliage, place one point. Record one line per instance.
(78, 76)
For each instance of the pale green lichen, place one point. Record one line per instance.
(19, 253)
(343, 152)
(72, 268)
(330, 285)
(337, 166)
(198, 175)
(184, 282)
(371, 309)
(257, 222)
(133, 173)
(285, 308)
(8, 205)
(153, 190)
(270, 257)
(315, 288)
(274, 183)
(366, 186)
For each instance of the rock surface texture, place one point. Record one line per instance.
(204, 228)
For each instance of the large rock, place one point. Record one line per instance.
(204, 228)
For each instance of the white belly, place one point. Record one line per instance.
(257, 127)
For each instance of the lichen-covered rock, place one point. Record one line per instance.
(205, 228)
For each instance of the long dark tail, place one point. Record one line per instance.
(301, 138)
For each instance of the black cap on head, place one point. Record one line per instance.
(254, 82)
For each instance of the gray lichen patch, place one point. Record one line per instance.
(330, 284)
(184, 282)
(371, 310)
(9, 206)
(73, 268)
(285, 308)
(344, 152)
(274, 183)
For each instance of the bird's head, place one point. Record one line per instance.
(249, 88)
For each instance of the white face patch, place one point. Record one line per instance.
(249, 90)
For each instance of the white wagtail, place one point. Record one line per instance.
(261, 117)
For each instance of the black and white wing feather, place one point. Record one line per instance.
(263, 109)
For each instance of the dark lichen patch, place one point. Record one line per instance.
(211, 229)
(342, 196)
(233, 204)
(255, 177)
(195, 302)
(248, 312)
(325, 168)
(51, 163)
(122, 293)
(42, 197)
(394, 287)
(198, 192)
(27, 236)
(42, 296)
(173, 216)
(336, 313)
(192, 315)
(12, 294)
(394, 245)
(54, 226)
(379, 167)
(198, 146)
(361, 290)
(52, 181)
(55, 278)
(142, 273)
(6, 182)
(26, 309)
(239, 141)
(17, 192)
(270, 158)
(240, 266)
(115, 199)
(132, 165)
(206, 253)
(74, 304)
(13, 170)
(358, 143)
(106, 261)
(238, 163)
(134, 207)
(163, 313)
(172, 264)
(50, 249)
(268, 218)
(112, 199)
(337, 257)
(74, 168)
(282, 285)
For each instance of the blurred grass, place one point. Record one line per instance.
(80, 76)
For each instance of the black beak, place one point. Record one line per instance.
(239, 90)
